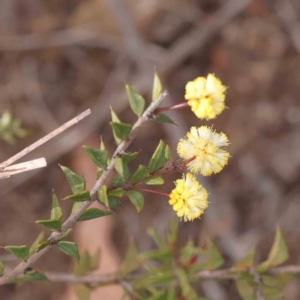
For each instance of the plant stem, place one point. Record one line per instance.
(152, 191)
(172, 107)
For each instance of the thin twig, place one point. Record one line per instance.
(114, 278)
(55, 236)
(23, 167)
(44, 139)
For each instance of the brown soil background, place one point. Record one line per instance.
(58, 58)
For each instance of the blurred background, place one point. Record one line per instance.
(58, 58)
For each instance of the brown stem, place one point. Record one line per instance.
(153, 192)
(172, 107)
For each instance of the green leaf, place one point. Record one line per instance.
(279, 253)
(93, 213)
(127, 157)
(140, 173)
(83, 266)
(98, 157)
(162, 255)
(115, 119)
(136, 101)
(137, 199)
(36, 243)
(167, 153)
(121, 130)
(51, 224)
(21, 252)
(187, 291)
(87, 263)
(172, 292)
(1, 268)
(36, 275)
(246, 262)
(162, 118)
(118, 192)
(157, 87)
(102, 145)
(214, 259)
(76, 182)
(56, 212)
(131, 260)
(118, 180)
(114, 203)
(172, 235)
(158, 159)
(246, 290)
(272, 293)
(79, 197)
(119, 166)
(42, 246)
(102, 195)
(154, 180)
(69, 248)
(83, 292)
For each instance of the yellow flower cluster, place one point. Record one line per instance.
(189, 198)
(205, 146)
(202, 148)
(206, 96)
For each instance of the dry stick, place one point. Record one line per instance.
(23, 167)
(114, 278)
(55, 236)
(44, 139)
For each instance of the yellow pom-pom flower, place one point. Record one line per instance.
(189, 198)
(206, 96)
(202, 146)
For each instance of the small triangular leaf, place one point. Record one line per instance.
(42, 246)
(83, 292)
(214, 259)
(127, 157)
(136, 101)
(157, 87)
(245, 289)
(98, 157)
(119, 166)
(131, 260)
(56, 212)
(154, 180)
(79, 197)
(161, 118)
(158, 159)
(246, 262)
(51, 224)
(137, 199)
(76, 182)
(118, 192)
(93, 213)
(167, 153)
(69, 248)
(279, 253)
(121, 130)
(21, 252)
(36, 275)
(102, 195)
(140, 173)
(36, 243)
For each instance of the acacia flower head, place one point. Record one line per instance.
(206, 96)
(203, 147)
(188, 198)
